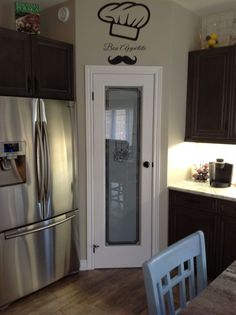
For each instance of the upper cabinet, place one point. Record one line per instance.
(52, 68)
(34, 66)
(211, 98)
(15, 63)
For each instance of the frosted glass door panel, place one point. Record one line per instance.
(122, 127)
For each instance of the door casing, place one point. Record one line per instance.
(90, 71)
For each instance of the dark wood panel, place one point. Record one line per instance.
(52, 69)
(218, 225)
(33, 66)
(233, 96)
(193, 201)
(227, 250)
(15, 63)
(187, 220)
(209, 95)
(227, 236)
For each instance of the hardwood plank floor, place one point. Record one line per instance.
(95, 292)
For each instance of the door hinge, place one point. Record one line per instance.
(94, 247)
(93, 96)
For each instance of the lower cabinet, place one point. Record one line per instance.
(227, 234)
(215, 217)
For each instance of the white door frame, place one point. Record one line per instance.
(141, 70)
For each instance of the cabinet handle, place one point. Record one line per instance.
(35, 84)
(226, 124)
(28, 84)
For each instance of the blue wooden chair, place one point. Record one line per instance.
(180, 268)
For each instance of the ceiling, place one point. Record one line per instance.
(205, 7)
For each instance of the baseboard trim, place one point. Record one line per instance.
(83, 265)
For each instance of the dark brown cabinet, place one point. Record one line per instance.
(216, 218)
(227, 235)
(52, 70)
(211, 98)
(15, 63)
(34, 66)
(189, 213)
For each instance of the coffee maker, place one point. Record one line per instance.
(220, 173)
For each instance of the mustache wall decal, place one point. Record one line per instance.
(126, 59)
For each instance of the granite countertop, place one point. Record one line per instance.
(218, 298)
(205, 189)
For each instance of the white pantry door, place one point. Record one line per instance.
(122, 167)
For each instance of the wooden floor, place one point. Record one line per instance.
(96, 292)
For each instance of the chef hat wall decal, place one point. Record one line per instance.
(126, 18)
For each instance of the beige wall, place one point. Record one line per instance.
(53, 28)
(168, 36)
(183, 38)
(7, 15)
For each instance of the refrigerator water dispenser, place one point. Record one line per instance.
(12, 163)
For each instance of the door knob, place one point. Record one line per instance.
(94, 247)
(146, 164)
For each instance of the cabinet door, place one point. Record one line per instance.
(188, 214)
(52, 63)
(227, 237)
(15, 63)
(233, 103)
(208, 95)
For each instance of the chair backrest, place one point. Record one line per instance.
(180, 267)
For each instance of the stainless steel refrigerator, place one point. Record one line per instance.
(38, 207)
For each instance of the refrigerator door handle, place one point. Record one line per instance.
(47, 161)
(40, 167)
(42, 110)
(24, 231)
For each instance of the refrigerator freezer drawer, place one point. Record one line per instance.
(37, 255)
